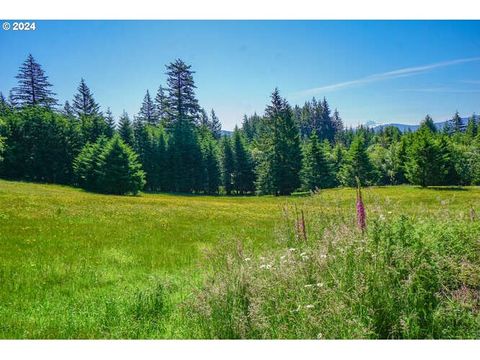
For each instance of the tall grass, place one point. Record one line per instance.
(403, 278)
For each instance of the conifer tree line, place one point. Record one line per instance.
(174, 145)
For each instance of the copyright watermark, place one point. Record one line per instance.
(19, 26)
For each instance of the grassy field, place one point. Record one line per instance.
(81, 265)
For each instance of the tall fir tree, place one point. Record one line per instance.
(357, 164)
(227, 165)
(83, 102)
(185, 156)
(471, 130)
(148, 114)
(182, 103)
(125, 129)
(317, 170)
(161, 105)
(68, 110)
(215, 125)
(457, 123)
(428, 124)
(212, 175)
(110, 121)
(33, 87)
(337, 123)
(243, 170)
(280, 153)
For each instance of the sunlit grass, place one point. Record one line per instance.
(80, 265)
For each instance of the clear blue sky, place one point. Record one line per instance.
(370, 70)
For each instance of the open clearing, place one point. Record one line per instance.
(79, 265)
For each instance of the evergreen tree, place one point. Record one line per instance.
(428, 124)
(228, 165)
(317, 169)
(4, 105)
(86, 166)
(425, 165)
(472, 128)
(182, 103)
(327, 127)
(280, 159)
(93, 127)
(457, 123)
(68, 110)
(185, 159)
(33, 86)
(215, 126)
(357, 164)
(125, 129)
(147, 113)
(119, 171)
(203, 118)
(110, 121)
(243, 169)
(210, 164)
(185, 154)
(38, 146)
(161, 104)
(83, 102)
(337, 125)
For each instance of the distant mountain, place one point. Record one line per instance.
(226, 132)
(407, 127)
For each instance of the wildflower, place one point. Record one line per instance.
(308, 286)
(292, 249)
(309, 306)
(303, 254)
(266, 266)
(361, 216)
(323, 256)
(247, 259)
(320, 336)
(320, 284)
(381, 217)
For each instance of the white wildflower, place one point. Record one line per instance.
(303, 254)
(266, 266)
(323, 256)
(247, 259)
(292, 249)
(308, 285)
(309, 306)
(320, 284)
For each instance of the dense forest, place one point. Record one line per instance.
(175, 145)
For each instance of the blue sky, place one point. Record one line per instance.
(381, 71)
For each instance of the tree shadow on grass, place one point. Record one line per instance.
(446, 188)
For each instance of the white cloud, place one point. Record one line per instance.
(409, 71)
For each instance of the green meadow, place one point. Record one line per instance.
(75, 264)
